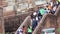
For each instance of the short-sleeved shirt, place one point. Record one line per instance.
(58, 0)
(42, 11)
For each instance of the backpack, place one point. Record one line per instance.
(39, 14)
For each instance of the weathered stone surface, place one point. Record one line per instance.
(1, 21)
(3, 3)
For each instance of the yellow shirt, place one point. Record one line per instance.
(59, 0)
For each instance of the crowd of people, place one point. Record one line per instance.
(50, 7)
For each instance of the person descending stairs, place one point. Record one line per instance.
(29, 30)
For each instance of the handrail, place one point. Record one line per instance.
(57, 11)
(41, 22)
(25, 23)
(44, 18)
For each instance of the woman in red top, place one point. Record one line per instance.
(24, 30)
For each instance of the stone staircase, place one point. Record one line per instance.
(47, 21)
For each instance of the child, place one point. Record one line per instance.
(24, 30)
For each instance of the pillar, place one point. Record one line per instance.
(1, 21)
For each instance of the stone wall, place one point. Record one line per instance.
(13, 22)
(8, 13)
(3, 3)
